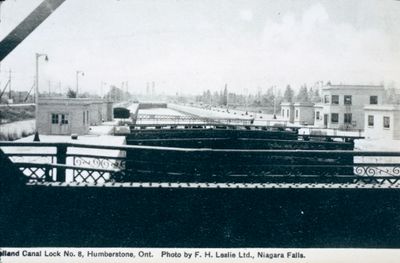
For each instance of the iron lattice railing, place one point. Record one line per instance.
(182, 165)
(177, 119)
(96, 176)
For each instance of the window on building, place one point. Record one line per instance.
(335, 99)
(54, 118)
(297, 113)
(84, 117)
(87, 117)
(326, 99)
(347, 99)
(287, 113)
(347, 118)
(334, 117)
(317, 115)
(64, 118)
(386, 122)
(373, 100)
(370, 121)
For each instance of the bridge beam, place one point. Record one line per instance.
(27, 26)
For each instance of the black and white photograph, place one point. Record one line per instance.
(199, 124)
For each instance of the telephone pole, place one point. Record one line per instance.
(9, 84)
(49, 83)
(78, 73)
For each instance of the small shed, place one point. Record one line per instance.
(382, 122)
(287, 109)
(303, 113)
(63, 116)
(60, 116)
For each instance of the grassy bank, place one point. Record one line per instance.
(16, 130)
(13, 114)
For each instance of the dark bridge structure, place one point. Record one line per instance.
(207, 188)
(202, 188)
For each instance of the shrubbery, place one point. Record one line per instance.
(12, 114)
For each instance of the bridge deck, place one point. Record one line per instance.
(194, 185)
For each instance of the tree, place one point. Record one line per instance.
(71, 93)
(316, 97)
(215, 98)
(117, 94)
(392, 94)
(225, 96)
(289, 94)
(268, 98)
(302, 96)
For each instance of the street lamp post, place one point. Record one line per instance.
(245, 100)
(78, 72)
(38, 55)
(102, 88)
(274, 90)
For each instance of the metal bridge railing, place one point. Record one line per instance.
(187, 165)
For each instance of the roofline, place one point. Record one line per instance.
(359, 86)
(383, 107)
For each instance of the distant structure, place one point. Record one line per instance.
(301, 113)
(382, 122)
(287, 110)
(147, 89)
(342, 107)
(65, 116)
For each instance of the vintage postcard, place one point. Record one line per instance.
(185, 130)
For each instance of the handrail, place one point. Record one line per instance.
(159, 148)
(95, 156)
(55, 165)
(32, 154)
(258, 164)
(265, 179)
(65, 166)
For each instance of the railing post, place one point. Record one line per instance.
(47, 176)
(61, 159)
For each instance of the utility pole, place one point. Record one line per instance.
(49, 83)
(78, 72)
(37, 56)
(226, 88)
(101, 89)
(245, 101)
(274, 89)
(9, 84)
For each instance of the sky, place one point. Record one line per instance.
(188, 46)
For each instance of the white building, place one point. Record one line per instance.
(70, 115)
(318, 115)
(382, 122)
(287, 111)
(343, 105)
(100, 111)
(303, 113)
